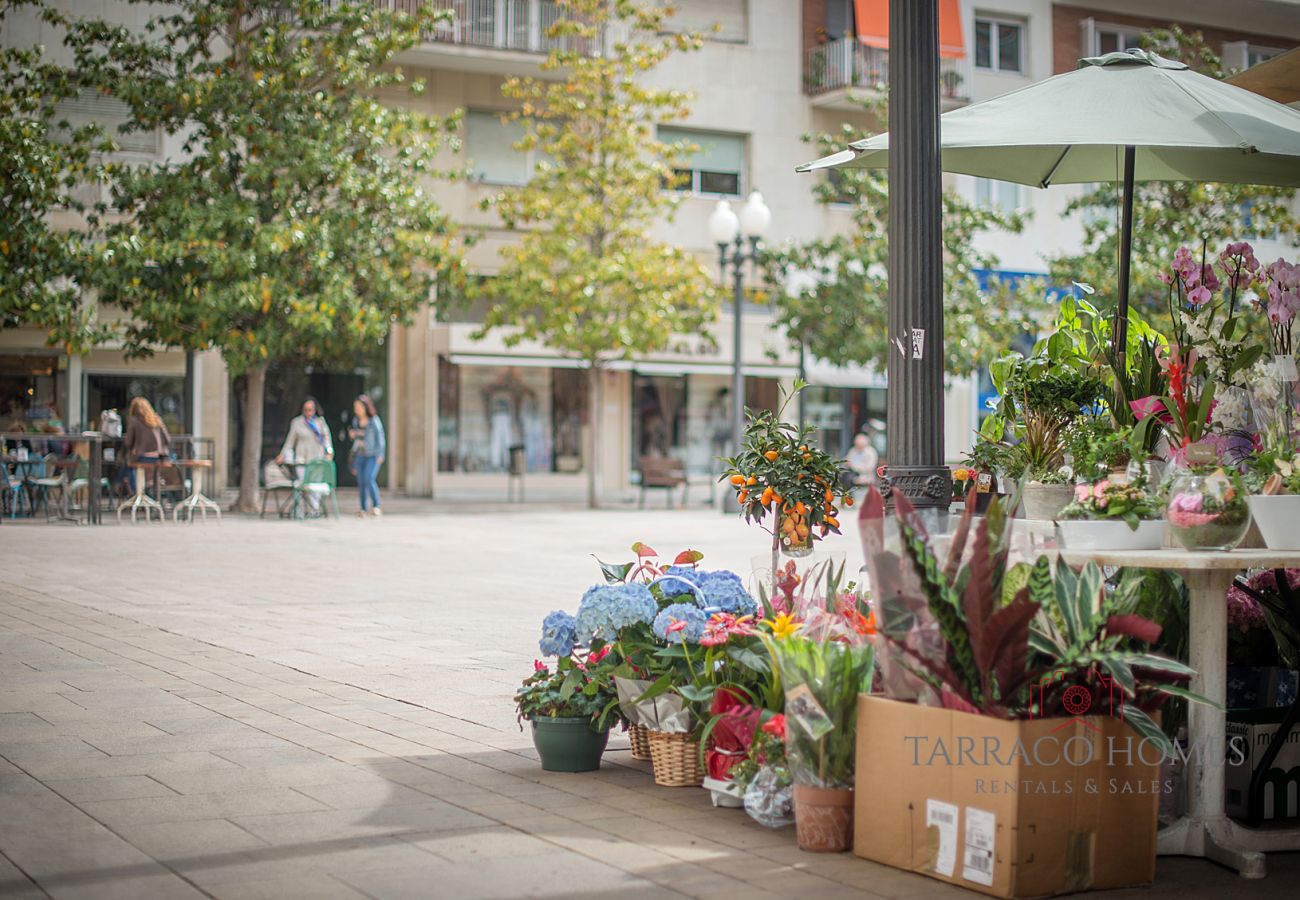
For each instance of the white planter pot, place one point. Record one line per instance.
(1113, 534)
(1278, 518)
(725, 793)
(1045, 501)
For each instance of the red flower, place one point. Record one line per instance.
(675, 625)
(596, 656)
(539, 666)
(775, 726)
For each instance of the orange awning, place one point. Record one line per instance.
(873, 25)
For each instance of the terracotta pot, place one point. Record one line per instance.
(823, 818)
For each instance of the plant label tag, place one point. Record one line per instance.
(918, 343)
(977, 862)
(941, 834)
(984, 483)
(1286, 369)
(808, 714)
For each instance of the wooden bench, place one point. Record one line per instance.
(663, 472)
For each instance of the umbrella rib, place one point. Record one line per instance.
(1242, 143)
(1047, 179)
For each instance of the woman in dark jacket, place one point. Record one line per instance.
(146, 438)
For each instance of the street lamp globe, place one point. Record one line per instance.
(755, 216)
(723, 223)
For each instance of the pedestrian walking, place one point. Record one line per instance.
(370, 446)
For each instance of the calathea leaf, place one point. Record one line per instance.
(614, 573)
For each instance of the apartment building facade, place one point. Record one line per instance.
(770, 72)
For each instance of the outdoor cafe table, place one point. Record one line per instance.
(1205, 830)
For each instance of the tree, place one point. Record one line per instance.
(295, 226)
(43, 162)
(585, 278)
(1170, 214)
(832, 294)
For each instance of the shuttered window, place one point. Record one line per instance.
(109, 113)
(717, 20)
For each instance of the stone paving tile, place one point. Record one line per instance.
(197, 807)
(112, 787)
(308, 887)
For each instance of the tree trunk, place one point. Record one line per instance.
(250, 455)
(593, 437)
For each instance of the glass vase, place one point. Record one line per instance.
(1206, 511)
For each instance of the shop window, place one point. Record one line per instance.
(570, 414)
(999, 45)
(484, 410)
(32, 390)
(165, 393)
(716, 164)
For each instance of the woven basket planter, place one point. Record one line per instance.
(676, 760)
(639, 737)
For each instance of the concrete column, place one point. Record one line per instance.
(75, 412)
(915, 258)
(415, 417)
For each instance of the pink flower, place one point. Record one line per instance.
(1187, 503)
(1150, 406)
(1099, 489)
(597, 655)
(675, 625)
(539, 666)
(1199, 296)
(715, 634)
(1082, 492)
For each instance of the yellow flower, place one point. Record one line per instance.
(782, 626)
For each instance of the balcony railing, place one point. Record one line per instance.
(849, 63)
(496, 24)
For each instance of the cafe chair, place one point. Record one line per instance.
(319, 479)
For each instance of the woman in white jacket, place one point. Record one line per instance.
(308, 439)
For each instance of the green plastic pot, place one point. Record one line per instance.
(568, 744)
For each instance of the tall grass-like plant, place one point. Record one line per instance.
(822, 682)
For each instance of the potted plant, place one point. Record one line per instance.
(567, 706)
(785, 483)
(1207, 507)
(1275, 506)
(822, 680)
(1109, 515)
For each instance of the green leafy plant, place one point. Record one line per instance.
(1096, 447)
(982, 640)
(822, 680)
(1106, 499)
(573, 689)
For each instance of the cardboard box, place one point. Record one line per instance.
(1249, 734)
(1027, 808)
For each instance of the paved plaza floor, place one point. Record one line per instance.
(269, 709)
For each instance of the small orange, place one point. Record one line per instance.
(742, 496)
(800, 508)
(848, 501)
(771, 455)
(802, 531)
(737, 479)
(832, 522)
(751, 480)
(776, 498)
(829, 495)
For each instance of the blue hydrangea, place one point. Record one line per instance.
(678, 580)
(606, 609)
(723, 591)
(558, 635)
(689, 613)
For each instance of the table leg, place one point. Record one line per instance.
(1205, 830)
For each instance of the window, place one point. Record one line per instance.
(717, 20)
(490, 146)
(999, 45)
(109, 113)
(1003, 196)
(716, 165)
(1113, 38)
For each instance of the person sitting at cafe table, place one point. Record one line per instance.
(146, 440)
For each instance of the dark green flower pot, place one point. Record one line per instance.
(568, 745)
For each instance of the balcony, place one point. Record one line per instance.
(840, 74)
(496, 36)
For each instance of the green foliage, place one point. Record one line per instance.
(1096, 446)
(43, 162)
(1165, 212)
(570, 690)
(822, 682)
(841, 315)
(298, 224)
(1131, 502)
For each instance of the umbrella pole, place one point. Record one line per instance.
(1119, 342)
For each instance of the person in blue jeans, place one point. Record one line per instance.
(368, 454)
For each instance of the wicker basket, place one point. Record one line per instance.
(639, 737)
(676, 760)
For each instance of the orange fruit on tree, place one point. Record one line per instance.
(802, 531)
(800, 508)
(848, 501)
(751, 480)
(742, 496)
(771, 455)
(832, 522)
(737, 479)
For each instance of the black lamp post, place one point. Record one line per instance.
(730, 232)
(916, 453)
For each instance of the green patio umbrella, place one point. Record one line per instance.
(1128, 116)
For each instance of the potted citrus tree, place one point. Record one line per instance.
(785, 483)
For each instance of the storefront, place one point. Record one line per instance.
(33, 390)
(166, 393)
(488, 404)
